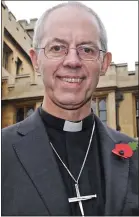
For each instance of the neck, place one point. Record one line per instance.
(70, 115)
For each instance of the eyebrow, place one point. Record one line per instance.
(65, 42)
(87, 42)
(58, 40)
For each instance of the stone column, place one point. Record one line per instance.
(8, 115)
(2, 37)
(12, 69)
(38, 104)
(111, 110)
(127, 115)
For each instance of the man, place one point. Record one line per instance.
(60, 161)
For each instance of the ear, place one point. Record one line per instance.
(106, 63)
(34, 59)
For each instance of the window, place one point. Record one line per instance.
(7, 57)
(100, 109)
(24, 112)
(18, 66)
(19, 114)
(137, 115)
(94, 107)
(103, 111)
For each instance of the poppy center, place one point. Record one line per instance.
(121, 152)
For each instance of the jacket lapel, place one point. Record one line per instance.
(116, 171)
(37, 158)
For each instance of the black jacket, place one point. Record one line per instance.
(31, 181)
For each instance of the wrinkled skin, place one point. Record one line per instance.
(71, 101)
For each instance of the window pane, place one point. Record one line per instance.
(29, 111)
(103, 115)
(94, 106)
(7, 52)
(137, 107)
(19, 114)
(102, 105)
(104, 122)
(137, 104)
(18, 66)
(137, 127)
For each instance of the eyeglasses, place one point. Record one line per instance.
(58, 51)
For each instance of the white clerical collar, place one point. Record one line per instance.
(72, 126)
(65, 125)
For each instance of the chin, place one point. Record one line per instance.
(69, 103)
(69, 106)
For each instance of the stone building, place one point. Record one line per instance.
(115, 101)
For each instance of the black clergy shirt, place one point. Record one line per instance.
(72, 147)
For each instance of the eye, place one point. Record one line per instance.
(57, 48)
(88, 50)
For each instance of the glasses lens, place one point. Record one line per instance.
(55, 51)
(88, 53)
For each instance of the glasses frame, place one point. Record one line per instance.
(94, 59)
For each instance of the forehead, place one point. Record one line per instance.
(71, 24)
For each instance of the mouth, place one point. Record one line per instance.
(73, 80)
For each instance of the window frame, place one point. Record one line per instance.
(7, 54)
(97, 100)
(19, 65)
(25, 108)
(102, 110)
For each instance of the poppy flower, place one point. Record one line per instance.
(123, 150)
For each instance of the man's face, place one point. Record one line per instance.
(70, 81)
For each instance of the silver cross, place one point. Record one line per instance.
(80, 198)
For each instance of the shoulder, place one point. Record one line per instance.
(14, 132)
(117, 138)
(9, 132)
(9, 137)
(120, 137)
(114, 135)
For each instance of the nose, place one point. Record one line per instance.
(72, 59)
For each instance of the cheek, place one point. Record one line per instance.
(52, 65)
(93, 70)
(48, 69)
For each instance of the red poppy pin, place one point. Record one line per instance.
(125, 150)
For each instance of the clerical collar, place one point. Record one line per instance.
(65, 125)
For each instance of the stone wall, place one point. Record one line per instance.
(15, 29)
(127, 115)
(8, 115)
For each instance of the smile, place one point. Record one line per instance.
(72, 80)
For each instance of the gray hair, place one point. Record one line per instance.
(38, 30)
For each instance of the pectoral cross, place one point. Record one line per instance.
(80, 198)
